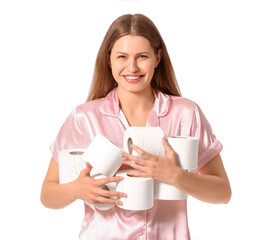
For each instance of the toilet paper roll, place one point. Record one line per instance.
(109, 187)
(71, 163)
(140, 192)
(186, 148)
(147, 138)
(165, 191)
(103, 155)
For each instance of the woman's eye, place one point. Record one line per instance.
(140, 56)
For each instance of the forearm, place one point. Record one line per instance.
(54, 195)
(207, 188)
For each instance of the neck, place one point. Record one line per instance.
(132, 102)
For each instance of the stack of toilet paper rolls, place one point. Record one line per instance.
(104, 157)
(150, 140)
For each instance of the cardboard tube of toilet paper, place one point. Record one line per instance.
(186, 148)
(103, 155)
(109, 187)
(71, 163)
(140, 192)
(147, 138)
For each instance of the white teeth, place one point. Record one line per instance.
(132, 78)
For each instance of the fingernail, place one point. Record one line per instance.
(124, 195)
(120, 203)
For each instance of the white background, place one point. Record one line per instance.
(223, 57)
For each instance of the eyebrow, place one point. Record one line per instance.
(127, 54)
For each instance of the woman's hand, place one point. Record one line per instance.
(162, 168)
(90, 190)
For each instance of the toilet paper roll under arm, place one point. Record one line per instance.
(140, 192)
(71, 163)
(103, 155)
(147, 138)
(165, 191)
(186, 148)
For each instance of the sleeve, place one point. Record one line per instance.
(209, 146)
(69, 136)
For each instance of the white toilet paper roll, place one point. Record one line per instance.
(165, 191)
(109, 187)
(147, 138)
(103, 155)
(186, 148)
(71, 163)
(140, 192)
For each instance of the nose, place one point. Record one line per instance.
(132, 65)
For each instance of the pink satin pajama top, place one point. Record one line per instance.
(167, 220)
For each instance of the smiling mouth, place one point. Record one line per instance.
(130, 77)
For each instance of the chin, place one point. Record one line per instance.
(135, 88)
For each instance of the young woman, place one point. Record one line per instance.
(134, 85)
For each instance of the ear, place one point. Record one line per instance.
(159, 56)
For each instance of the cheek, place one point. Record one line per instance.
(118, 66)
(148, 66)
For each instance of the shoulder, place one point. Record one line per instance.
(181, 103)
(88, 107)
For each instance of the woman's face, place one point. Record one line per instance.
(133, 62)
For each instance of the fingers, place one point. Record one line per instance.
(168, 148)
(137, 174)
(137, 159)
(135, 165)
(104, 181)
(166, 145)
(141, 152)
(87, 170)
(109, 197)
(101, 195)
(103, 200)
(110, 194)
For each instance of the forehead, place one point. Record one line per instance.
(131, 44)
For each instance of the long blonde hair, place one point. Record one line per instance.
(137, 25)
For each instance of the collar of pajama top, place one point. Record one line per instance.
(110, 107)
